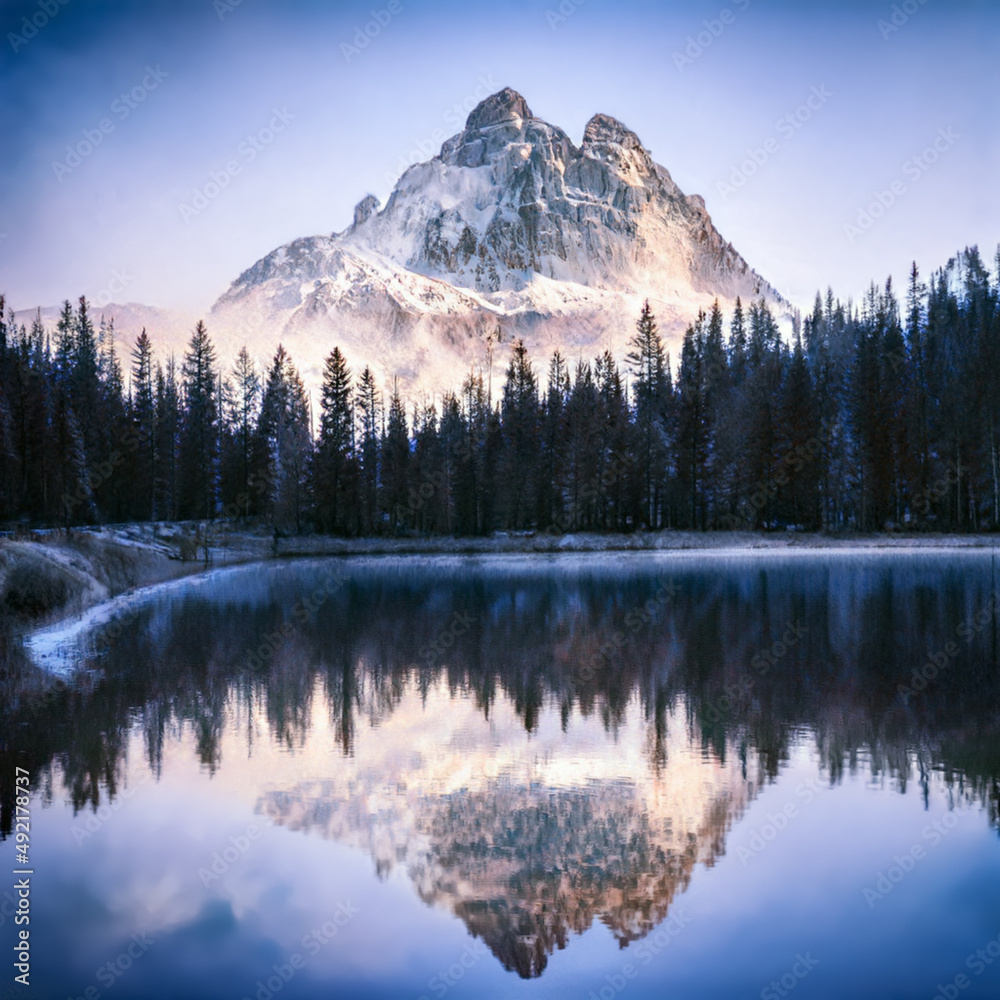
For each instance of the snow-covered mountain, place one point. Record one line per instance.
(513, 226)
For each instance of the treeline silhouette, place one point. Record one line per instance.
(868, 418)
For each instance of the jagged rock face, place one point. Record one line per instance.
(365, 209)
(513, 225)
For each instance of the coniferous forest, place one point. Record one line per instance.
(883, 416)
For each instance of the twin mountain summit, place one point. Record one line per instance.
(511, 227)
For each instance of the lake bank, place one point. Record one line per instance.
(51, 576)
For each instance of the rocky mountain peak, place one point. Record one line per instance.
(365, 209)
(603, 130)
(505, 105)
(512, 224)
(606, 138)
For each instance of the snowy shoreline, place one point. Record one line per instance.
(55, 645)
(664, 541)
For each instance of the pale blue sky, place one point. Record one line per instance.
(222, 67)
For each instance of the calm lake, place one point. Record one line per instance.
(678, 775)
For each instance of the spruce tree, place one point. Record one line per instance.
(520, 428)
(395, 464)
(651, 393)
(244, 407)
(144, 425)
(334, 467)
(198, 455)
(369, 410)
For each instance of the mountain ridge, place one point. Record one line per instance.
(511, 226)
(511, 230)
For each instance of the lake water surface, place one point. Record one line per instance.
(683, 775)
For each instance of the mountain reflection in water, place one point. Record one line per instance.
(538, 743)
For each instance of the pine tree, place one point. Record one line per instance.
(114, 438)
(738, 345)
(520, 429)
(334, 468)
(243, 411)
(395, 464)
(25, 420)
(552, 470)
(717, 391)
(168, 426)
(759, 417)
(616, 473)
(429, 472)
(803, 450)
(455, 458)
(144, 425)
(85, 389)
(583, 443)
(198, 456)
(692, 425)
(651, 391)
(869, 421)
(369, 409)
(65, 337)
(282, 445)
(473, 481)
(296, 453)
(71, 479)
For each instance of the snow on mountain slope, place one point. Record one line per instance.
(512, 226)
